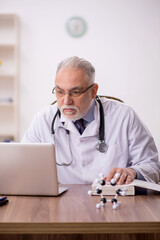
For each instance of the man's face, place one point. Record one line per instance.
(72, 107)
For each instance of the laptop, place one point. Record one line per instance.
(28, 169)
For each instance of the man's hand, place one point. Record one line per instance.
(127, 175)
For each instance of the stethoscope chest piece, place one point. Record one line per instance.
(102, 146)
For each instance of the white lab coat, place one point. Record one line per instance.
(129, 143)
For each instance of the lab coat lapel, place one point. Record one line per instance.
(93, 128)
(69, 125)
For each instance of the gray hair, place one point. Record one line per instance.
(78, 63)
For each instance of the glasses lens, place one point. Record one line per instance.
(59, 93)
(75, 93)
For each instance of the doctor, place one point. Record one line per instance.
(128, 149)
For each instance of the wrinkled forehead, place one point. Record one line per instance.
(71, 76)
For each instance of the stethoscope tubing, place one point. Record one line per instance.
(101, 127)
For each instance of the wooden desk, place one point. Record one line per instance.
(73, 215)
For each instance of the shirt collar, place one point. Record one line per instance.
(89, 117)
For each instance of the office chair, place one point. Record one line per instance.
(110, 97)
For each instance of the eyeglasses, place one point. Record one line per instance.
(72, 93)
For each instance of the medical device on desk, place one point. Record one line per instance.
(102, 146)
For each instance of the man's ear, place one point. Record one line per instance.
(94, 90)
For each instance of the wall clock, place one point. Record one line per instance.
(76, 26)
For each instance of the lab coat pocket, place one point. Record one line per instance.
(114, 157)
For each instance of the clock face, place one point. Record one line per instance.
(76, 26)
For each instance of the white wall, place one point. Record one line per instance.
(122, 42)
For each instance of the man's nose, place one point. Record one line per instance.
(67, 99)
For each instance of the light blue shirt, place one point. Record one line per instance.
(89, 117)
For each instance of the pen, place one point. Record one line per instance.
(2, 198)
(4, 202)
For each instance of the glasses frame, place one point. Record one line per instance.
(71, 94)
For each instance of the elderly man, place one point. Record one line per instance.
(93, 135)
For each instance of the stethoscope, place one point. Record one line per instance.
(101, 147)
